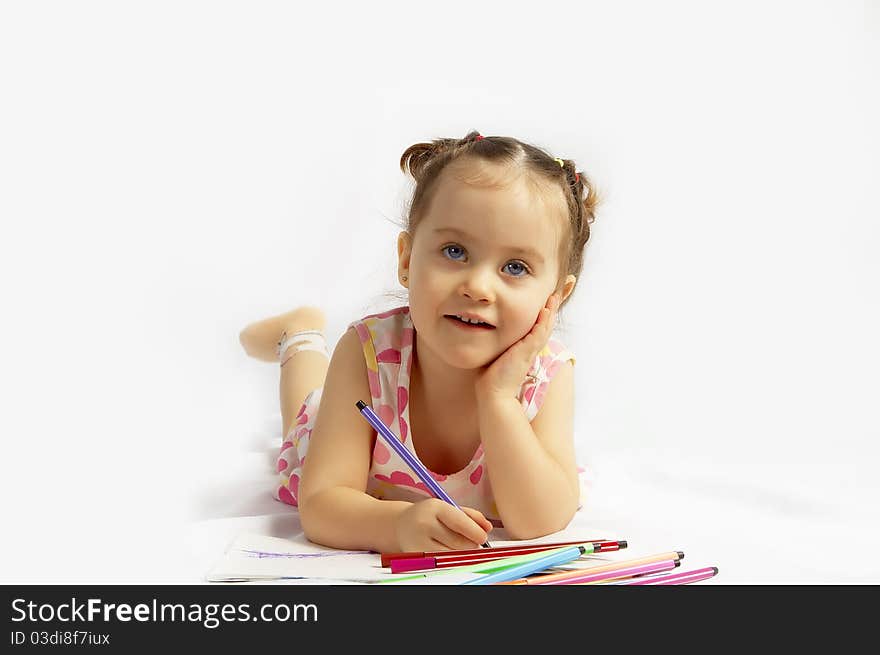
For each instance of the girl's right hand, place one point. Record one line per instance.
(433, 524)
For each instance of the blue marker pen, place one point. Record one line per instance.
(560, 556)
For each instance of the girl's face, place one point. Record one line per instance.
(488, 251)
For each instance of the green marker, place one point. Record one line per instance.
(491, 566)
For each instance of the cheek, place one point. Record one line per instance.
(521, 321)
(429, 286)
(424, 300)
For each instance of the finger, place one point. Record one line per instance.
(552, 310)
(477, 516)
(540, 331)
(451, 539)
(548, 319)
(462, 524)
(553, 305)
(538, 327)
(481, 520)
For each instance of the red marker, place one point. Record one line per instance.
(452, 558)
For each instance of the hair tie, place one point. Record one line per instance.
(479, 137)
(577, 176)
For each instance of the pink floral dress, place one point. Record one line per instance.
(387, 341)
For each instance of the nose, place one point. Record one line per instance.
(477, 284)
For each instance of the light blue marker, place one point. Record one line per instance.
(555, 558)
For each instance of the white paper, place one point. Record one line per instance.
(258, 557)
(253, 557)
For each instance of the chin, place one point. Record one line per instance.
(465, 356)
(466, 359)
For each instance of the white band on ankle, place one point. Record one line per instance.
(305, 340)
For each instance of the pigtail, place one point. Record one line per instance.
(415, 158)
(588, 202)
(578, 182)
(585, 199)
(585, 202)
(418, 157)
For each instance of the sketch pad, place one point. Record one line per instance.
(258, 557)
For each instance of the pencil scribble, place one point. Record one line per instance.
(262, 553)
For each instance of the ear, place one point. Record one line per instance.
(567, 287)
(404, 250)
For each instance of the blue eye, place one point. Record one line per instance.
(450, 251)
(446, 248)
(521, 265)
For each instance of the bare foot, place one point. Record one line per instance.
(260, 339)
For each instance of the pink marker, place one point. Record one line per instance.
(583, 577)
(685, 577)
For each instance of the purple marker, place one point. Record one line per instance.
(417, 467)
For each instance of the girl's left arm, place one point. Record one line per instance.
(531, 466)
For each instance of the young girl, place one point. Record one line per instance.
(467, 375)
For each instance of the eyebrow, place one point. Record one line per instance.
(531, 252)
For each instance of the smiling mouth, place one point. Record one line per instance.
(465, 324)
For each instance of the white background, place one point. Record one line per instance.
(171, 171)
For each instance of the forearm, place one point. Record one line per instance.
(534, 494)
(341, 517)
